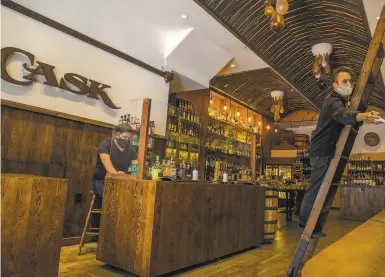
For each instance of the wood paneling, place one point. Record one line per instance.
(341, 23)
(361, 203)
(44, 145)
(301, 115)
(358, 254)
(151, 228)
(32, 211)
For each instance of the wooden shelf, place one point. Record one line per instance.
(232, 125)
(227, 138)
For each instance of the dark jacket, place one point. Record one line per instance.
(334, 116)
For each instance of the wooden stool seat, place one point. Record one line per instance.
(89, 231)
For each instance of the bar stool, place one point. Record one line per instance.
(87, 231)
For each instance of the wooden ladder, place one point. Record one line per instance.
(363, 90)
(87, 231)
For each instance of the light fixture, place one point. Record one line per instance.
(238, 112)
(232, 65)
(184, 16)
(225, 107)
(276, 130)
(268, 127)
(226, 85)
(378, 17)
(211, 100)
(259, 123)
(321, 66)
(277, 21)
(277, 106)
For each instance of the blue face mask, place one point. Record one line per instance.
(123, 143)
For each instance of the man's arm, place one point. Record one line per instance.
(341, 115)
(105, 158)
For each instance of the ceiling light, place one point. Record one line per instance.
(276, 130)
(225, 107)
(226, 85)
(211, 100)
(232, 65)
(378, 17)
(268, 127)
(183, 16)
(238, 113)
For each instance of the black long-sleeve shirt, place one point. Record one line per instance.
(333, 117)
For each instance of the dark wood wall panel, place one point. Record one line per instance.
(340, 22)
(39, 144)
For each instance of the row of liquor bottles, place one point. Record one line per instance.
(302, 154)
(365, 166)
(173, 168)
(184, 110)
(185, 128)
(134, 122)
(221, 170)
(229, 132)
(363, 180)
(234, 120)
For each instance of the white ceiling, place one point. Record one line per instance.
(151, 30)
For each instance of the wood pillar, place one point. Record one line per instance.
(253, 162)
(145, 122)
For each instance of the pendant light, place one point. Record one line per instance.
(211, 98)
(238, 112)
(282, 6)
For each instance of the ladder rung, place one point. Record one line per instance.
(96, 211)
(354, 130)
(92, 233)
(93, 228)
(344, 157)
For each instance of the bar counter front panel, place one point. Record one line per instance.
(151, 228)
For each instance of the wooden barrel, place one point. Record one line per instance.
(301, 141)
(271, 215)
(286, 137)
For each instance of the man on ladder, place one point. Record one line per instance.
(333, 117)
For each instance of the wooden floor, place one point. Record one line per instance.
(267, 261)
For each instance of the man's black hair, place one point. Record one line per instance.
(341, 69)
(121, 128)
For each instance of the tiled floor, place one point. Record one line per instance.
(266, 261)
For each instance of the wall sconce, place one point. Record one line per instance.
(321, 66)
(277, 107)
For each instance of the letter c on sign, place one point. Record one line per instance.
(6, 52)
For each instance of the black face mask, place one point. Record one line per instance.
(123, 143)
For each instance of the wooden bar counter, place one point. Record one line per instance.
(151, 228)
(32, 211)
(361, 202)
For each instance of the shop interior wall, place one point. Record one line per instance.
(359, 146)
(129, 83)
(44, 145)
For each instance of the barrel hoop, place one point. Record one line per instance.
(270, 221)
(271, 208)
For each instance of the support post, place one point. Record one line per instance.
(145, 122)
(253, 162)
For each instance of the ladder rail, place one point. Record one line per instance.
(365, 85)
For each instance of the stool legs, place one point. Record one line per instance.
(87, 224)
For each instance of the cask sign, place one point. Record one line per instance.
(87, 87)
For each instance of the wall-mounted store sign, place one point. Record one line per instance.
(87, 87)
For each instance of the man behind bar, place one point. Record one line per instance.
(114, 156)
(334, 115)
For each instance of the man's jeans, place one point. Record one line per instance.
(319, 167)
(97, 187)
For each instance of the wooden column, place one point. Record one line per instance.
(145, 122)
(253, 162)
